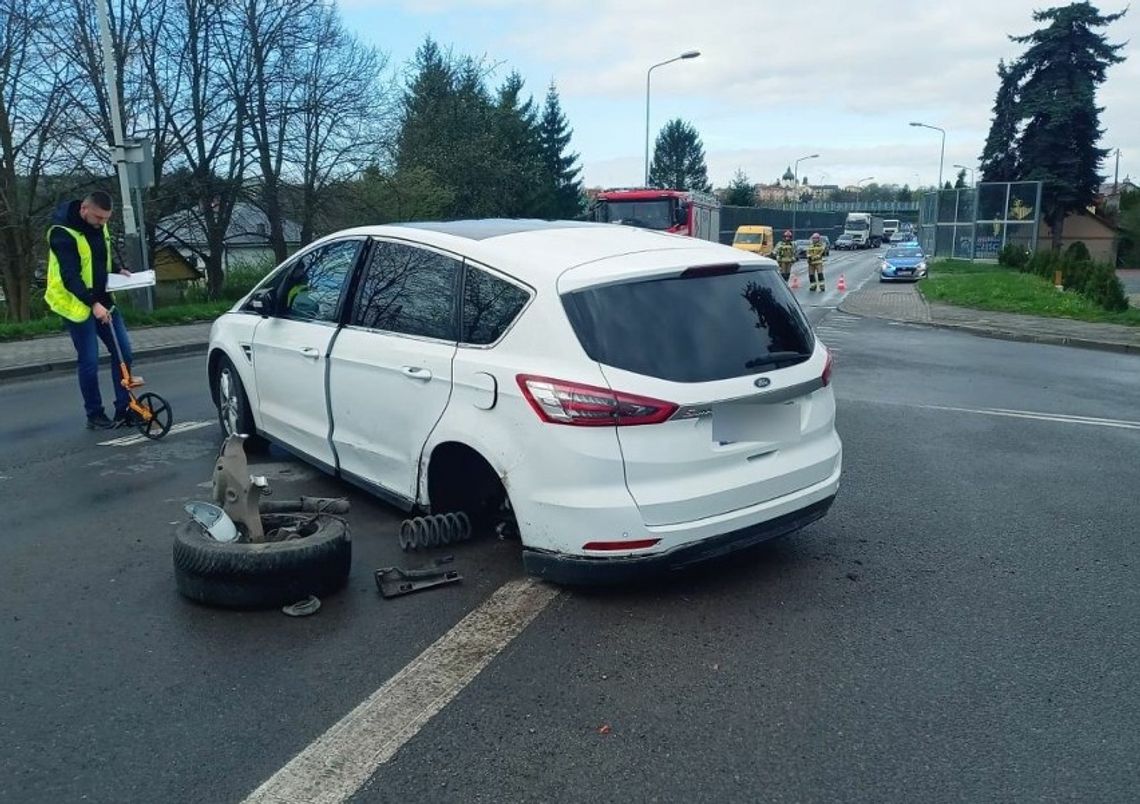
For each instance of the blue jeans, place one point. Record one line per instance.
(86, 337)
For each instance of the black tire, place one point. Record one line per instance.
(259, 576)
(232, 403)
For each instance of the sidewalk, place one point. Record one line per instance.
(905, 303)
(55, 352)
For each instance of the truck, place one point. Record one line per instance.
(683, 212)
(865, 229)
(890, 226)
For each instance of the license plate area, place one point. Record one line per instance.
(756, 422)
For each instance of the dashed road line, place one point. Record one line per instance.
(138, 438)
(341, 760)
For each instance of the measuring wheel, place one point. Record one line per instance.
(156, 416)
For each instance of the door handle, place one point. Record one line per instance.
(415, 372)
(310, 351)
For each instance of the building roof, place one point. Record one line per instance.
(249, 226)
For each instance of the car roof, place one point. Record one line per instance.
(535, 249)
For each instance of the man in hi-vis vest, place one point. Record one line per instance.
(79, 259)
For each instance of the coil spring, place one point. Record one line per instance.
(435, 530)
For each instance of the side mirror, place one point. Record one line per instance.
(261, 302)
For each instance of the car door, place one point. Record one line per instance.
(291, 348)
(391, 367)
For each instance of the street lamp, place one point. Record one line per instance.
(796, 182)
(942, 155)
(688, 54)
(963, 167)
(863, 180)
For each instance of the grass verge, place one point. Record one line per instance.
(984, 286)
(163, 316)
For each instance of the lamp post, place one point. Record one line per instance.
(963, 167)
(942, 154)
(688, 54)
(796, 182)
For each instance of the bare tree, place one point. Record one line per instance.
(32, 145)
(347, 115)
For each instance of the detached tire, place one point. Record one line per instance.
(261, 576)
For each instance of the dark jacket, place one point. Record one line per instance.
(63, 244)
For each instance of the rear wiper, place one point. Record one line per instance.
(772, 358)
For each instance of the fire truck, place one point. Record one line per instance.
(683, 212)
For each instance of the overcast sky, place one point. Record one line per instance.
(775, 81)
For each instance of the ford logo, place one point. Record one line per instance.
(762, 382)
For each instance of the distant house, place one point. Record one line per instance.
(246, 241)
(1108, 199)
(1098, 235)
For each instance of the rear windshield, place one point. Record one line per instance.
(694, 328)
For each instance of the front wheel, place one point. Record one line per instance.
(234, 415)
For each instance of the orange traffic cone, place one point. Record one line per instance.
(841, 285)
(795, 283)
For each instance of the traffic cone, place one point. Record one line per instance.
(841, 285)
(795, 283)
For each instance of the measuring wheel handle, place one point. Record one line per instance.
(155, 416)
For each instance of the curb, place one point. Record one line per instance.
(56, 366)
(1006, 335)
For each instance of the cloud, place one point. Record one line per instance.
(773, 78)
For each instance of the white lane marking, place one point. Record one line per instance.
(1060, 418)
(341, 760)
(138, 438)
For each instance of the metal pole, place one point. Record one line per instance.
(1116, 174)
(647, 76)
(118, 154)
(941, 159)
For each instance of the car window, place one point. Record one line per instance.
(408, 290)
(490, 305)
(312, 288)
(704, 327)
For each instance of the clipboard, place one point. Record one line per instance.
(138, 279)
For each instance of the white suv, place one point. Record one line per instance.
(627, 399)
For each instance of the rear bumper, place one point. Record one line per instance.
(589, 570)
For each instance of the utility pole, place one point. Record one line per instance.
(1116, 174)
(132, 238)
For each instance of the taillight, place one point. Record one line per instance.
(628, 544)
(826, 376)
(560, 402)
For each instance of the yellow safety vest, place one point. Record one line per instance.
(815, 254)
(62, 301)
(785, 252)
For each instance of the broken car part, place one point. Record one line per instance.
(394, 581)
(236, 491)
(435, 530)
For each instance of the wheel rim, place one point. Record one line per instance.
(228, 401)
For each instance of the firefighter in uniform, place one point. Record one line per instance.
(815, 262)
(786, 255)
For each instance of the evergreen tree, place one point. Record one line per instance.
(904, 193)
(740, 191)
(999, 155)
(1065, 62)
(523, 179)
(565, 198)
(679, 159)
(960, 181)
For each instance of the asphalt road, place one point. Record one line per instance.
(962, 625)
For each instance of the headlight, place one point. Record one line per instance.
(921, 266)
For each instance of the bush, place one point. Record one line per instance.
(1077, 252)
(1096, 281)
(1013, 256)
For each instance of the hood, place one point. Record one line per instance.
(67, 214)
(903, 262)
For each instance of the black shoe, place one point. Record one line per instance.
(99, 422)
(127, 418)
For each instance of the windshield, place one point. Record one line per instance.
(655, 214)
(692, 329)
(857, 225)
(749, 238)
(903, 253)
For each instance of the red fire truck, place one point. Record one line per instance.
(677, 211)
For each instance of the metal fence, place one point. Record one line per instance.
(977, 223)
(806, 221)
